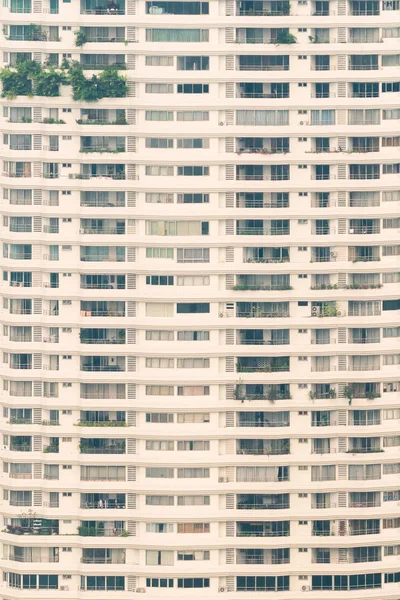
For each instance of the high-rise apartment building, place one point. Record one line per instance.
(200, 299)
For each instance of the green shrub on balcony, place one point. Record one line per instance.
(80, 37)
(47, 82)
(109, 84)
(14, 84)
(284, 37)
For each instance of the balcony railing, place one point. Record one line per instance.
(101, 424)
(254, 534)
(263, 424)
(255, 342)
(262, 451)
(20, 447)
(259, 314)
(257, 506)
(106, 560)
(30, 559)
(109, 450)
(262, 231)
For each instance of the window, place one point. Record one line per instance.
(193, 198)
(190, 280)
(159, 527)
(177, 35)
(160, 472)
(193, 255)
(193, 528)
(159, 143)
(159, 280)
(159, 582)
(160, 335)
(191, 336)
(192, 307)
(159, 88)
(192, 143)
(193, 418)
(192, 115)
(192, 88)
(193, 582)
(159, 115)
(159, 170)
(159, 253)
(190, 555)
(157, 197)
(159, 418)
(189, 446)
(159, 61)
(193, 390)
(160, 363)
(262, 117)
(193, 501)
(160, 500)
(194, 473)
(159, 557)
(193, 363)
(193, 171)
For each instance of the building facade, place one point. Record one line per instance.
(200, 299)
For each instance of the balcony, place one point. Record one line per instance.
(20, 443)
(364, 527)
(322, 391)
(103, 556)
(95, 62)
(363, 8)
(263, 501)
(261, 310)
(103, 34)
(265, 8)
(101, 171)
(102, 116)
(101, 391)
(101, 418)
(110, 364)
(262, 282)
(262, 337)
(102, 529)
(260, 227)
(271, 392)
(102, 226)
(33, 526)
(364, 253)
(263, 447)
(262, 90)
(262, 364)
(103, 501)
(263, 529)
(33, 555)
(102, 446)
(103, 7)
(103, 336)
(266, 255)
(263, 173)
(102, 254)
(93, 308)
(263, 419)
(102, 144)
(262, 145)
(364, 445)
(259, 556)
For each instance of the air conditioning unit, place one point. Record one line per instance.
(315, 311)
(223, 479)
(140, 590)
(305, 588)
(63, 588)
(222, 589)
(221, 123)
